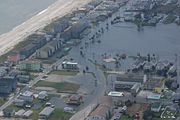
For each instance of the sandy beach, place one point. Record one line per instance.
(37, 22)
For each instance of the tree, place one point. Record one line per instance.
(128, 103)
(148, 115)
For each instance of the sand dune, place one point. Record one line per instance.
(56, 10)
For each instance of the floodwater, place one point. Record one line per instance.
(15, 12)
(162, 40)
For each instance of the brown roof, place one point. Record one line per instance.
(106, 100)
(103, 108)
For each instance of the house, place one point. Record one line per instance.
(42, 95)
(27, 51)
(135, 88)
(156, 107)
(8, 112)
(155, 85)
(49, 49)
(37, 41)
(8, 84)
(74, 32)
(159, 87)
(132, 87)
(23, 78)
(45, 113)
(69, 65)
(75, 100)
(131, 77)
(57, 26)
(15, 58)
(30, 65)
(27, 114)
(176, 97)
(20, 113)
(103, 110)
(148, 66)
(19, 102)
(27, 96)
(3, 71)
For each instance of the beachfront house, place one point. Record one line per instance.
(36, 41)
(48, 50)
(74, 32)
(57, 26)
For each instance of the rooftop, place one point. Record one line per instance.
(115, 94)
(46, 111)
(27, 93)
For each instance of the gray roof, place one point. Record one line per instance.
(20, 112)
(46, 111)
(28, 113)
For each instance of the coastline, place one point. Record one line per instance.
(37, 22)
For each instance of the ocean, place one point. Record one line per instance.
(15, 12)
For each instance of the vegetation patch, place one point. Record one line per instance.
(64, 72)
(60, 87)
(59, 114)
(126, 117)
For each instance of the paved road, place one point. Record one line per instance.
(31, 83)
(98, 93)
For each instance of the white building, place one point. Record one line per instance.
(69, 65)
(42, 95)
(27, 96)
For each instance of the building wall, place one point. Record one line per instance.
(7, 85)
(95, 118)
(30, 66)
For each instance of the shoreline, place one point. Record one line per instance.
(37, 22)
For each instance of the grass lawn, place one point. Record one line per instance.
(2, 101)
(35, 114)
(48, 61)
(125, 117)
(64, 72)
(14, 107)
(58, 114)
(60, 87)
